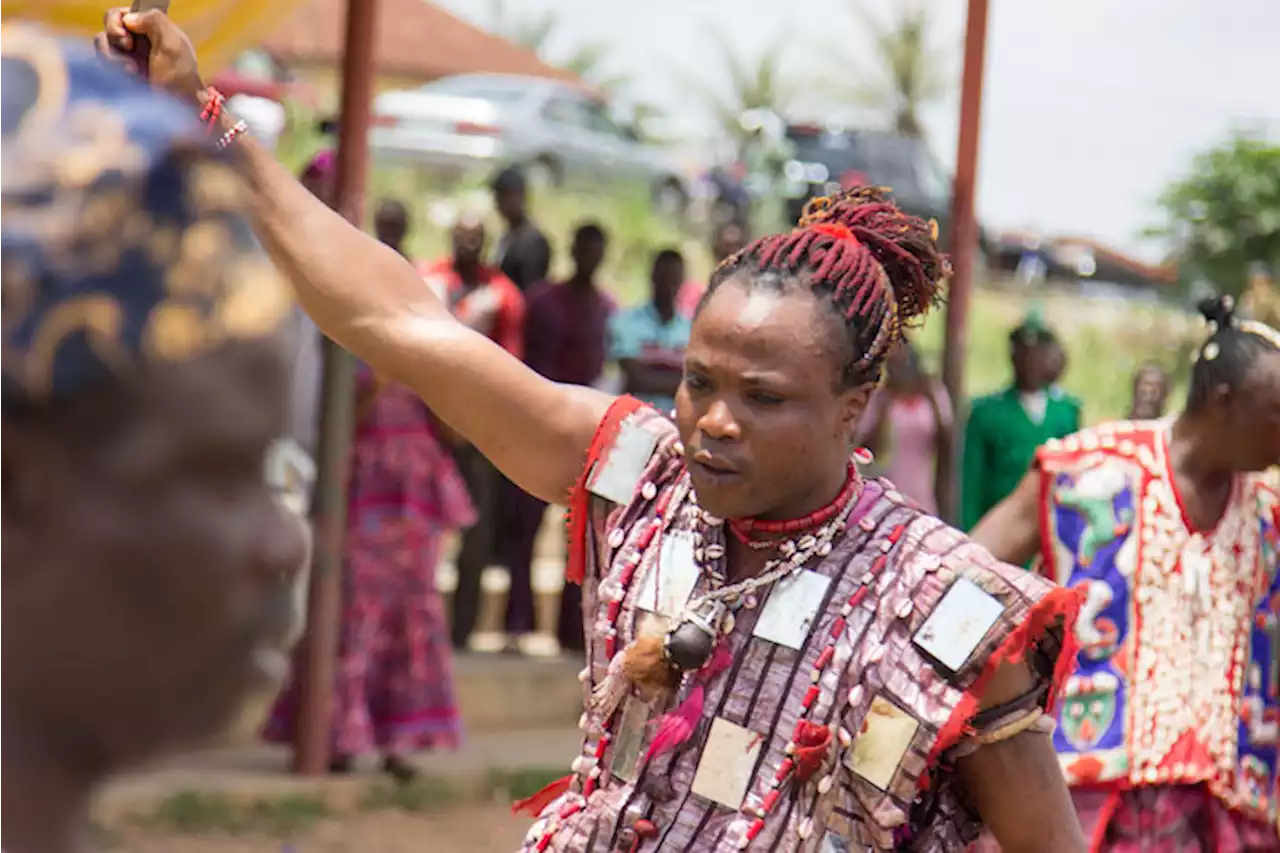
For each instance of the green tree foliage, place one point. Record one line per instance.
(1223, 216)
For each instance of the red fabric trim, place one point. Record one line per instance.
(1059, 603)
(579, 498)
(533, 806)
(1103, 820)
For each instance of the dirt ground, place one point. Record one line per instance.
(473, 829)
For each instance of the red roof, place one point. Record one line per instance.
(414, 39)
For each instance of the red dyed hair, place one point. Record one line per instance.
(876, 267)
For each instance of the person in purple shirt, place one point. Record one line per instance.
(566, 326)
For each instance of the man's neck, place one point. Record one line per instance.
(514, 222)
(1196, 456)
(45, 793)
(581, 283)
(666, 312)
(470, 274)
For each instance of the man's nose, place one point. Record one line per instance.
(719, 423)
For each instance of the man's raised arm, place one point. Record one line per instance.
(373, 303)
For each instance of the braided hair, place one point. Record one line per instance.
(1229, 352)
(875, 267)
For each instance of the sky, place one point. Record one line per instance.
(1091, 106)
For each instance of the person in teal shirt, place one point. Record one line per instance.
(1005, 428)
(648, 341)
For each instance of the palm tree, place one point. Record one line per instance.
(756, 83)
(588, 61)
(904, 71)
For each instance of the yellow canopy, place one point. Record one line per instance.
(219, 29)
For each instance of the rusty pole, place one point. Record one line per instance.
(329, 512)
(964, 240)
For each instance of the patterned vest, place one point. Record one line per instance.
(1178, 679)
(893, 711)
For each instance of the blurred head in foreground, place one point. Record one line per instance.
(147, 566)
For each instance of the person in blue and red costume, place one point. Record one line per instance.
(781, 655)
(148, 564)
(1168, 730)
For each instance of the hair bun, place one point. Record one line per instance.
(904, 245)
(1219, 310)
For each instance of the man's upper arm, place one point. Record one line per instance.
(1016, 783)
(1011, 530)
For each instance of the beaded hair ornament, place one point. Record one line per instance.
(124, 237)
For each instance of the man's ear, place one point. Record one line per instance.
(853, 403)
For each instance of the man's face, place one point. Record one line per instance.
(729, 241)
(391, 224)
(1250, 416)
(588, 255)
(468, 242)
(668, 276)
(1149, 392)
(148, 566)
(510, 203)
(1032, 364)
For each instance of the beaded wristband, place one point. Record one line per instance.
(228, 137)
(212, 109)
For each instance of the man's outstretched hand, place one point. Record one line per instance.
(171, 64)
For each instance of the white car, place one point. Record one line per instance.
(561, 134)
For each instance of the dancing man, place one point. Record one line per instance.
(780, 655)
(1168, 729)
(147, 563)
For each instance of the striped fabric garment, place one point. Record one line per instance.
(901, 713)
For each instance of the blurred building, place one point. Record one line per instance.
(1075, 260)
(415, 42)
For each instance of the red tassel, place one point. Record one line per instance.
(534, 806)
(580, 499)
(676, 728)
(813, 743)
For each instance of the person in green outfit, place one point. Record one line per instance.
(1005, 428)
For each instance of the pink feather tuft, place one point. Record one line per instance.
(677, 727)
(720, 661)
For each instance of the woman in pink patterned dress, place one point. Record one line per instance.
(394, 685)
(910, 419)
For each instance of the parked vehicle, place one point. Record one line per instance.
(561, 134)
(826, 159)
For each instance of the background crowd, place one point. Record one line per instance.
(413, 482)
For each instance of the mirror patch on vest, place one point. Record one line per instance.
(616, 476)
(887, 733)
(958, 624)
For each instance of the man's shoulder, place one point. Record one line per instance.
(988, 405)
(500, 282)
(529, 234)
(1063, 397)
(631, 314)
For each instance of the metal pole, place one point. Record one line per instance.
(964, 240)
(329, 513)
